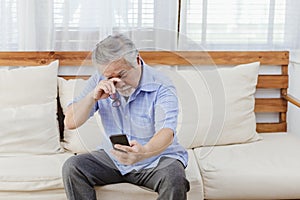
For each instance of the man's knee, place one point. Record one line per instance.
(173, 177)
(70, 166)
(175, 180)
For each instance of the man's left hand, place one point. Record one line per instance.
(129, 154)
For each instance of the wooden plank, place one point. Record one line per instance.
(284, 70)
(282, 116)
(77, 58)
(270, 105)
(292, 99)
(271, 127)
(68, 77)
(66, 58)
(273, 81)
(215, 57)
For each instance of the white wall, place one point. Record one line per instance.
(293, 116)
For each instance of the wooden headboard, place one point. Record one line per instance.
(185, 58)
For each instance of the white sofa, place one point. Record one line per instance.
(236, 164)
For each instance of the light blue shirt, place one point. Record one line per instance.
(152, 106)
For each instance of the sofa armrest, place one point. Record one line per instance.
(292, 99)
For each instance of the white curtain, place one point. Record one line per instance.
(79, 24)
(292, 29)
(213, 24)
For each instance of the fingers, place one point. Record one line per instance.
(129, 154)
(108, 86)
(105, 88)
(112, 83)
(126, 158)
(122, 157)
(133, 143)
(125, 148)
(115, 80)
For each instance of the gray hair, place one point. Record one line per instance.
(113, 48)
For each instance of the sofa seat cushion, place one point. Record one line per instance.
(267, 169)
(57, 194)
(31, 173)
(130, 191)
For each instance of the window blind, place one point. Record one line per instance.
(125, 13)
(77, 21)
(8, 20)
(234, 24)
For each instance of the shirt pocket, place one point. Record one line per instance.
(141, 120)
(142, 125)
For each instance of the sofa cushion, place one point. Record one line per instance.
(267, 169)
(216, 105)
(87, 137)
(28, 85)
(31, 172)
(30, 129)
(28, 110)
(57, 194)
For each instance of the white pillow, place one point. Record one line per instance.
(28, 110)
(216, 105)
(28, 85)
(87, 137)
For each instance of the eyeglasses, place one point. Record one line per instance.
(116, 102)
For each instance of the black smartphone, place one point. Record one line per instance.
(119, 139)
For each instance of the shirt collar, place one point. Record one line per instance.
(148, 81)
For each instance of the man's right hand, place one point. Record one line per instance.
(105, 88)
(78, 113)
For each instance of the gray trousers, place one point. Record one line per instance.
(82, 172)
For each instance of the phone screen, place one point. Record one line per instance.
(119, 139)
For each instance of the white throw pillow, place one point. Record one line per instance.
(28, 110)
(87, 137)
(216, 105)
(28, 85)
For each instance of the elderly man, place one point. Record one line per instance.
(135, 100)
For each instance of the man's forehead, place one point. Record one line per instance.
(114, 68)
(111, 71)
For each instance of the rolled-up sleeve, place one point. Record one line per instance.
(166, 108)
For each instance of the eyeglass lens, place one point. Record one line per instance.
(116, 101)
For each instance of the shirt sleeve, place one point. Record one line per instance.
(90, 85)
(166, 108)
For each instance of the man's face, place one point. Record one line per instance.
(129, 76)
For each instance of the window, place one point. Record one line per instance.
(8, 33)
(73, 24)
(233, 24)
(79, 24)
(84, 23)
